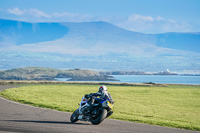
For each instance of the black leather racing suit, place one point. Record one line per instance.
(101, 95)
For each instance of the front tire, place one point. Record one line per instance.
(102, 115)
(74, 116)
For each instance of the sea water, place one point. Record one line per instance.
(170, 79)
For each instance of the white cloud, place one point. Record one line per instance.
(134, 22)
(137, 17)
(71, 17)
(64, 14)
(172, 25)
(172, 21)
(159, 18)
(32, 12)
(15, 11)
(37, 13)
(150, 24)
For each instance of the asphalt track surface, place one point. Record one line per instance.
(17, 118)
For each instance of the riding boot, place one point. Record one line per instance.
(91, 103)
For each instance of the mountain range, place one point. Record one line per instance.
(95, 45)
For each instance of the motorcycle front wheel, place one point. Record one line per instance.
(99, 118)
(74, 116)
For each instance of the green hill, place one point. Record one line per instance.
(40, 73)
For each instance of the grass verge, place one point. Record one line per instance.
(172, 106)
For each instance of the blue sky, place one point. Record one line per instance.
(147, 16)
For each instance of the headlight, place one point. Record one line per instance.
(104, 104)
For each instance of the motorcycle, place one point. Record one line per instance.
(100, 110)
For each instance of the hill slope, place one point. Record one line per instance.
(38, 73)
(17, 33)
(183, 41)
(95, 45)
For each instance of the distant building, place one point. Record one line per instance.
(167, 72)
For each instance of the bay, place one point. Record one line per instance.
(169, 79)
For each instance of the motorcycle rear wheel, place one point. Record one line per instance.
(74, 116)
(102, 115)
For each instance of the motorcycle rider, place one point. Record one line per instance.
(95, 113)
(102, 94)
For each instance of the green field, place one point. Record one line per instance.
(173, 106)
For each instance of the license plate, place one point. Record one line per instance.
(110, 105)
